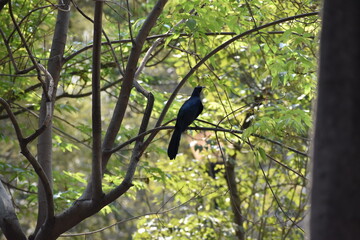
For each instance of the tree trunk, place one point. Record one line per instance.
(335, 210)
(44, 147)
(234, 198)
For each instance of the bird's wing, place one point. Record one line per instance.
(189, 112)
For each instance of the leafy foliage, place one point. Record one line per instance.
(259, 87)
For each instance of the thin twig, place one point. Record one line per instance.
(32, 58)
(277, 200)
(109, 43)
(6, 43)
(164, 35)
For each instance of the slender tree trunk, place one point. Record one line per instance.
(335, 204)
(44, 147)
(234, 198)
(96, 104)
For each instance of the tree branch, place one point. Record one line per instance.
(96, 104)
(48, 108)
(9, 222)
(128, 80)
(164, 35)
(84, 208)
(12, 119)
(25, 151)
(158, 212)
(136, 154)
(6, 43)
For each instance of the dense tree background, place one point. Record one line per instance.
(242, 169)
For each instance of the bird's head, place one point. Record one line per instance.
(197, 90)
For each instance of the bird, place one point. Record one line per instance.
(188, 112)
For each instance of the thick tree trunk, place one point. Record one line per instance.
(335, 204)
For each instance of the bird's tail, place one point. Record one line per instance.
(174, 144)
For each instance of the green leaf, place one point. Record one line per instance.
(191, 24)
(262, 153)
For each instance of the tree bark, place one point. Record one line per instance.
(9, 223)
(235, 201)
(96, 104)
(335, 210)
(44, 147)
(85, 206)
(127, 84)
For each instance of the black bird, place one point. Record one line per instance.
(188, 112)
